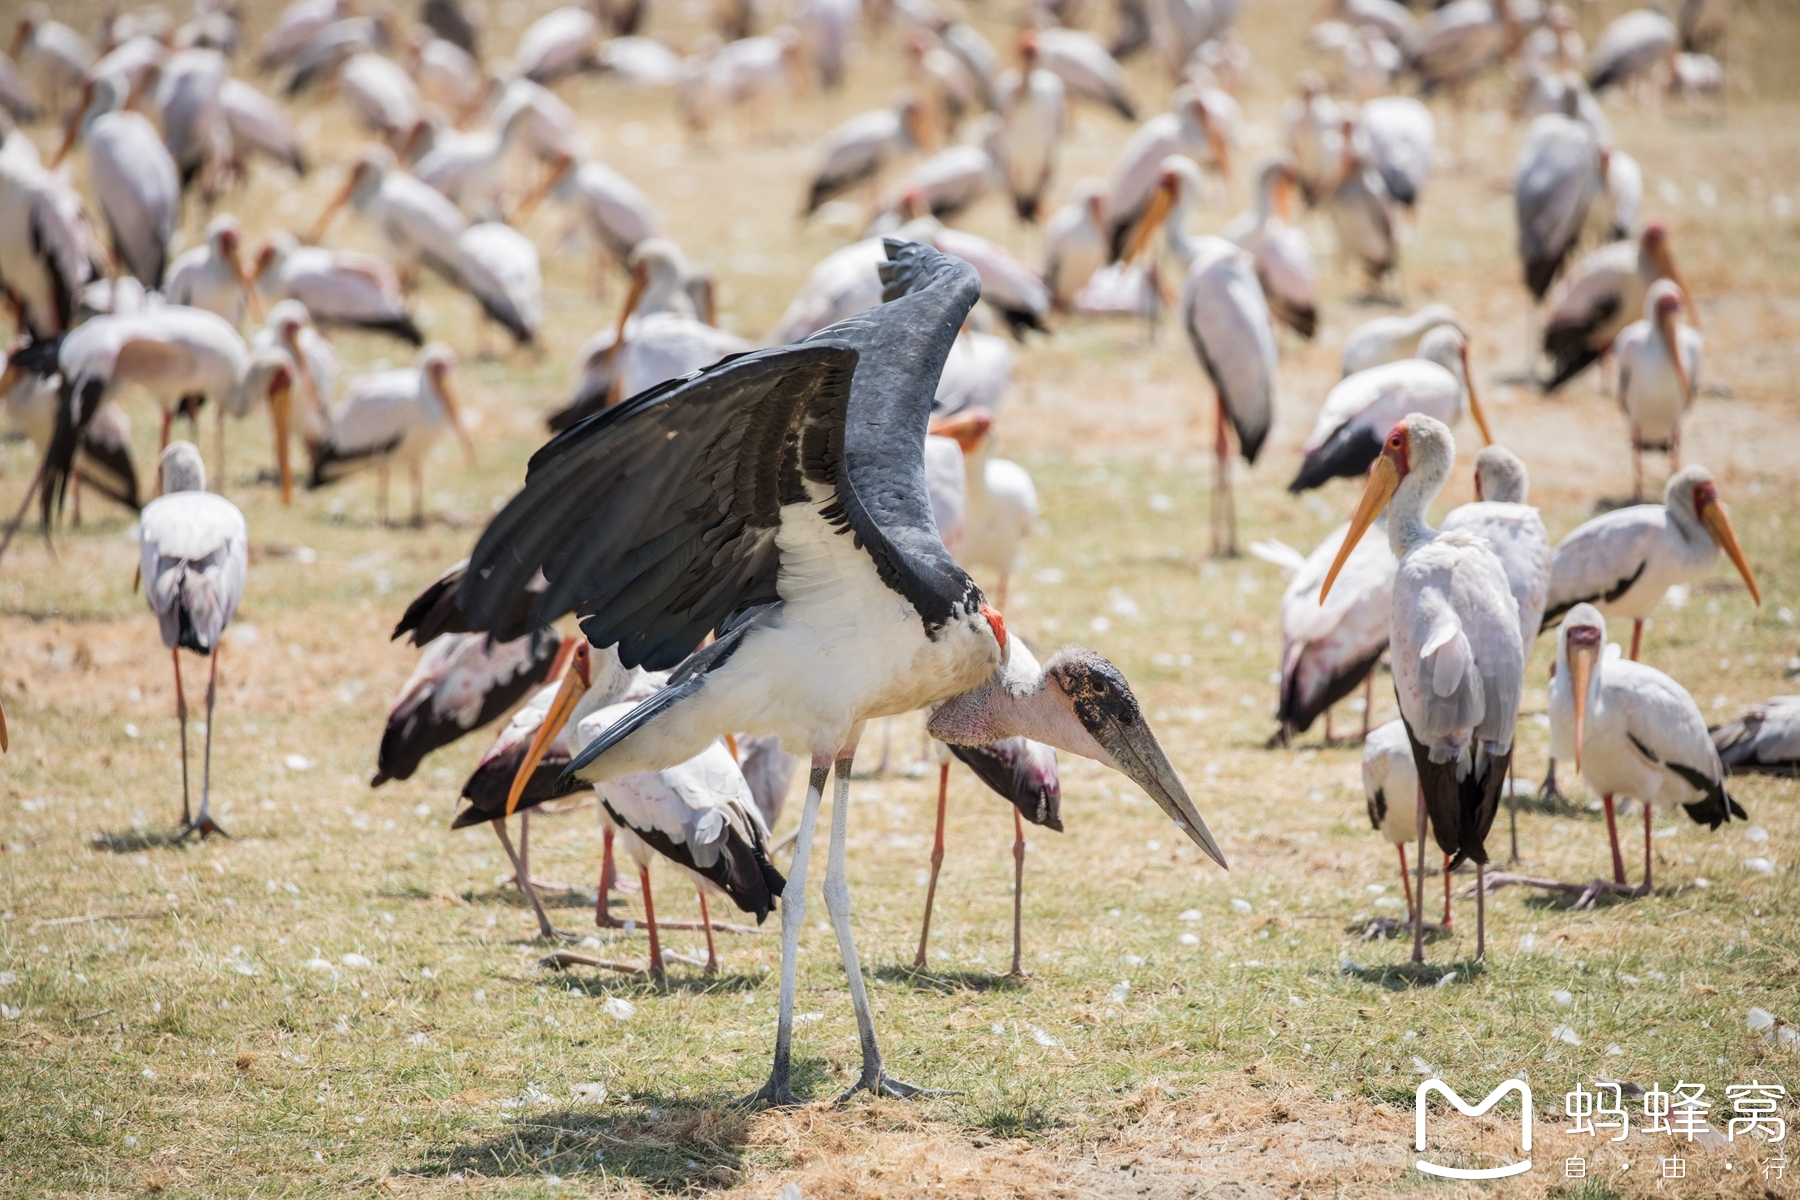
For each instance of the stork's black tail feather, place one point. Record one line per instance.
(1461, 810)
(1717, 807)
(75, 408)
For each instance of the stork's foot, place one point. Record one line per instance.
(878, 1082)
(204, 825)
(550, 933)
(777, 1093)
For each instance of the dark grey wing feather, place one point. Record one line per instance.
(656, 518)
(904, 343)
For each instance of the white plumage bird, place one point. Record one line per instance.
(416, 221)
(1632, 731)
(1283, 254)
(1390, 339)
(212, 276)
(1458, 661)
(1330, 646)
(1002, 500)
(1391, 789)
(193, 555)
(338, 287)
(1033, 113)
(1348, 434)
(1624, 561)
(1075, 244)
(1659, 372)
(131, 174)
(393, 416)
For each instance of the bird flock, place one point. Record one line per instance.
(733, 555)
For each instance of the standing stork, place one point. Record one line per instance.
(193, 553)
(1360, 212)
(1634, 732)
(46, 249)
(1198, 125)
(415, 220)
(1228, 325)
(181, 356)
(1601, 295)
(1624, 562)
(1391, 788)
(212, 274)
(1347, 437)
(1002, 501)
(1075, 244)
(131, 173)
(842, 420)
(1402, 139)
(1033, 113)
(1284, 257)
(1659, 372)
(1558, 176)
(1514, 531)
(1636, 45)
(393, 415)
(1459, 665)
(857, 150)
(612, 208)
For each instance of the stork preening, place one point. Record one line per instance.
(1283, 254)
(193, 554)
(1198, 126)
(1632, 731)
(1458, 661)
(808, 440)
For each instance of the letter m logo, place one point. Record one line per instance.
(1474, 1110)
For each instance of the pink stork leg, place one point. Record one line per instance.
(187, 819)
(1612, 834)
(609, 879)
(1645, 890)
(1637, 638)
(1018, 971)
(712, 953)
(1446, 893)
(1480, 910)
(656, 959)
(1418, 954)
(937, 861)
(1412, 912)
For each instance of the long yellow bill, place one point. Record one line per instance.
(1155, 213)
(338, 201)
(1384, 480)
(1670, 329)
(280, 416)
(1712, 515)
(1487, 435)
(574, 686)
(1583, 655)
(453, 406)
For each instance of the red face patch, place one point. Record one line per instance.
(996, 622)
(1398, 447)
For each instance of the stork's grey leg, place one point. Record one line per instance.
(204, 824)
(779, 1091)
(837, 903)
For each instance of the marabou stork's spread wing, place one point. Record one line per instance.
(656, 518)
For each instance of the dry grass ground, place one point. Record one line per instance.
(163, 1031)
